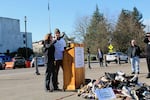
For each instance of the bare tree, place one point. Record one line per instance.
(81, 25)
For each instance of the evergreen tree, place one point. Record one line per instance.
(138, 27)
(129, 26)
(121, 34)
(96, 32)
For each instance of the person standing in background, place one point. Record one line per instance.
(134, 54)
(36, 66)
(147, 41)
(60, 46)
(100, 56)
(88, 57)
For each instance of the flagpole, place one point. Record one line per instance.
(49, 17)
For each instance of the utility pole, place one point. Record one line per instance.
(49, 17)
(25, 20)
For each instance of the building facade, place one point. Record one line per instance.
(29, 39)
(10, 36)
(37, 47)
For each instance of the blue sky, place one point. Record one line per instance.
(64, 13)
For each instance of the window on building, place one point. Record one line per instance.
(24, 36)
(24, 41)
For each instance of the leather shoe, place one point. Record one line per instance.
(47, 90)
(50, 90)
(57, 89)
(133, 73)
(148, 76)
(37, 73)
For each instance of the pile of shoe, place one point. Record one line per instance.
(124, 87)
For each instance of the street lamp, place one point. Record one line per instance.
(25, 20)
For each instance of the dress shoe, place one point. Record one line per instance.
(148, 76)
(37, 73)
(48, 90)
(133, 73)
(57, 89)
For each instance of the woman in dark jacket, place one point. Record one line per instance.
(48, 50)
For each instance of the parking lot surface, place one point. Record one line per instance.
(24, 84)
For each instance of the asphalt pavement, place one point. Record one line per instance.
(24, 84)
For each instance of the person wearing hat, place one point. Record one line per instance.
(147, 41)
(60, 46)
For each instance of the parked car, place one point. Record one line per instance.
(19, 62)
(116, 57)
(5, 58)
(2, 64)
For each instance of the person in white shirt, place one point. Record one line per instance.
(100, 56)
(60, 46)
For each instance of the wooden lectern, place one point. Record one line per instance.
(73, 67)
